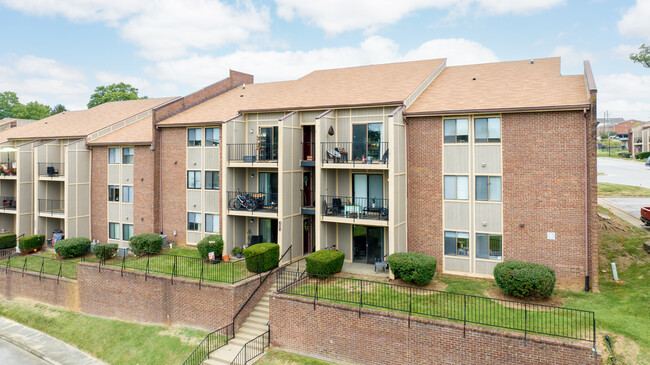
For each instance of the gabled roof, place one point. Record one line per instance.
(386, 84)
(502, 86)
(137, 133)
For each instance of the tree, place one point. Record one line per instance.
(8, 101)
(113, 92)
(59, 108)
(643, 57)
(33, 110)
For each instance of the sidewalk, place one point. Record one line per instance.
(47, 348)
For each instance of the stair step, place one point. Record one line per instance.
(261, 316)
(259, 327)
(256, 320)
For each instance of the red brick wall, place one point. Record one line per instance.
(145, 207)
(337, 332)
(17, 285)
(173, 188)
(99, 194)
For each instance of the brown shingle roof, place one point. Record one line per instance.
(365, 85)
(502, 86)
(79, 124)
(140, 132)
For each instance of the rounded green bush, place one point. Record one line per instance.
(413, 267)
(642, 155)
(7, 240)
(146, 242)
(525, 279)
(31, 243)
(625, 154)
(211, 243)
(105, 251)
(72, 247)
(262, 257)
(325, 262)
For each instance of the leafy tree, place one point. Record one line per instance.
(33, 110)
(643, 57)
(113, 92)
(8, 101)
(59, 108)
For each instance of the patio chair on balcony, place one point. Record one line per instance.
(51, 171)
(381, 263)
(335, 209)
(384, 157)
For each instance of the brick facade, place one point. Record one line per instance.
(99, 194)
(173, 205)
(145, 207)
(15, 284)
(339, 333)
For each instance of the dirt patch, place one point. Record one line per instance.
(433, 285)
(609, 224)
(625, 351)
(180, 334)
(554, 301)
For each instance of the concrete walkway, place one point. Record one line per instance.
(41, 346)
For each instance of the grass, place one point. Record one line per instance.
(608, 189)
(277, 357)
(44, 262)
(112, 341)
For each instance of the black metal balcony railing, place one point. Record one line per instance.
(308, 198)
(355, 152)
(308, 151)
(50, 206)
(638, 141)
(8, 203)
(355, 207)
(50, 169)
(253, 202)
(253, 152)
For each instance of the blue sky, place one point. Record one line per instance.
(58, 51)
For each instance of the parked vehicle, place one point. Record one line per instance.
(645, 215)
(647, 162)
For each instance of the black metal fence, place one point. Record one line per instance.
(252, 349)
(253, 152)
(528, 318)
(8, 203)
(355, 207)
(42, 265)
(213, 341)
(355, 152)
(252, 201)
(50, 169)
(50, 206)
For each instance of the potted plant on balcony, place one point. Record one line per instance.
(237, 251)
(373, 203)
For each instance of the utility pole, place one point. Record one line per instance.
(609, 137)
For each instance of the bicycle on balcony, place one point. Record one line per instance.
(245, 201)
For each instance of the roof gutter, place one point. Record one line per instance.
(499, 110)
(317, 107)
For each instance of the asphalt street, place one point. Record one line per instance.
(623, 172)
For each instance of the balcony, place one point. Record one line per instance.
(8, 170)
(308, 203)
(638, 141)
(8, 204)
(50, 207)
(251, 153)
(365, 154)
(308, 154)
(355, 208)
(252, 203)
(50, 170)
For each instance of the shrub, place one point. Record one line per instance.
(105, 251)
(262, 257)
(525, 279)
(211, 243)
(146, 242)
(31, 243)
(642, 155)
(325, 262)
(72, 247)
(625, 154)
(413, 267)
(7, 240)
(237, 250)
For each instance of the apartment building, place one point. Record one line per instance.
(639, 138)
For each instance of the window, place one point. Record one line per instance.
(127, 194)
(193, 221)
(113, 155)
(457, 187)
(113, 193)
(487, 130)
(194, 137)
(456, 131)
(127, 231)
(211, 137)
(488, 246)
(127, 155)
(212, 223)
(114, 231)
(367, 141)
(488, 188)
(194, 179)
(456, 243)
(212, 180)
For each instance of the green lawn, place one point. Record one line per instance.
(277, 357)
(112, 341)
(608, 189)
(44, 262)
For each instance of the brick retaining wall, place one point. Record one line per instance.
(16, 285)
(337, 332)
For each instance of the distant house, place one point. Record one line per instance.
(6, 123)
(607, 124)
(639, 137)
(622, 131)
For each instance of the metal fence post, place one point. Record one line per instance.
(7, 267)
(174, 269)
(410, 304)
(40, 273)
(593, 316)
(360, 298)
(201, 276)
(464, 314)
(59, 274)
(146, 271)
(316, 296)
(123, 262)
(24, 266)
(525, 323)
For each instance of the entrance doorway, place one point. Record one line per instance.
(367, 244)
(269, 230)
(308, 200)
(307, 236)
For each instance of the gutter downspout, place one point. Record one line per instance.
(586, 202)
(160, 174)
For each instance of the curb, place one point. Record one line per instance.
(29, 349)
(621, 213)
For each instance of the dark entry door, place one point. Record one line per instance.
(306, 186)
(307, 242)
(306, 145)
(367, 244)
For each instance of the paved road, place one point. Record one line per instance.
(14, 355)
(631, 206)
(619, 171)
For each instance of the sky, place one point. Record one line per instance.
(58, 51)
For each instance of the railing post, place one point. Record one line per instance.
(146, 271)
(7, 266)
(593, 316)
(58, 276)
(24, 265)
(316, 296)
(174, 269)
(525, 323)
(360, 297)
(40, 273)
(464, 314)
(123, 263)
(201, 276)
(410, 304)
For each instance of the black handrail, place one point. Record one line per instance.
(257, 344)
(213, 341)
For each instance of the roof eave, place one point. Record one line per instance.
(318, 107)
(499, 110)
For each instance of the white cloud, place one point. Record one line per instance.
(458, 51)
(624, 95)
(623, 51)
(336, 16)
(47, 68)
(78, 10)
(572, 59)
(635, 21)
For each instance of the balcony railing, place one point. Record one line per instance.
(308, 151)
(355, 152)
(50, 206)
(252, 202)
(50, 169)
(8, 203)
(253, 152)
(8, 168)
(638, 141)
(355, 207)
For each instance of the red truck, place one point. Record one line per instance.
(645, 215)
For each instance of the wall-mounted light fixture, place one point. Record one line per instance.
(330, 131)
(252, 221)
(252, 176)
(251, 130)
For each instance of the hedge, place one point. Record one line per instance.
(146, 242)
(413, 267)
(525, 279)
(262, 257)
(211, 243)
(642, 155)
(72, 247)
(105, 251)
(325, 262)
(7, 240)
(625, 154)
(31, 243)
